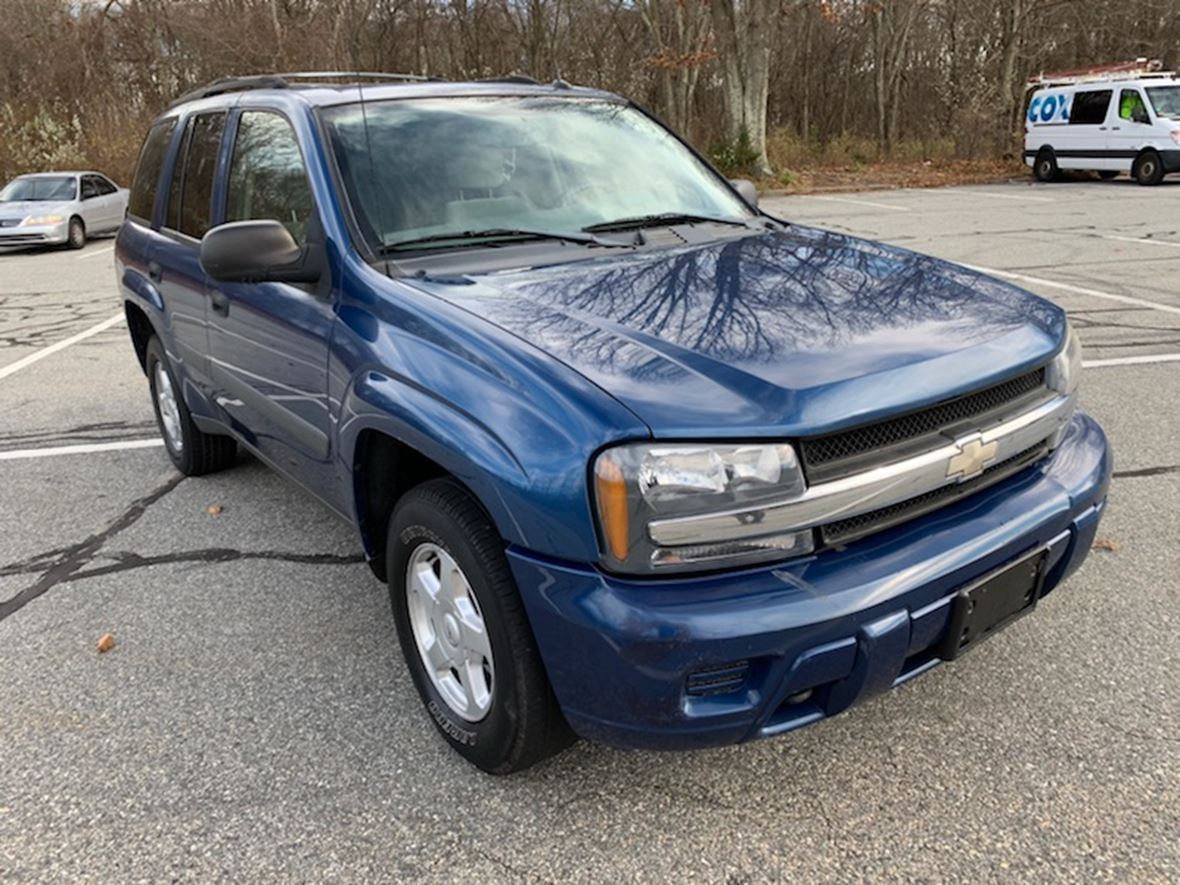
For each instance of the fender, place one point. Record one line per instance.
(136, 284)
(452, 438)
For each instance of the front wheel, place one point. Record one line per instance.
(464, 633)
(1149, 169)
(76, 236)
(192, 451)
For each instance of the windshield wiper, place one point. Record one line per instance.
(661, 219)
(462, 238)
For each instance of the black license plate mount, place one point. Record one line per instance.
(985, 607)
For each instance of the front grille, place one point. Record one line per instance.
(847, 530)
(825, 456)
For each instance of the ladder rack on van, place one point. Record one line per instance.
(1140, 69)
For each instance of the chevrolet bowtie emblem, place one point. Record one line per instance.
(974, 455)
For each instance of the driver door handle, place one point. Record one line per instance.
(220, 302)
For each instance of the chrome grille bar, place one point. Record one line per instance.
(871, 489)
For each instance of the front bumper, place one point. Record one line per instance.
(39, 235)
(812, 636)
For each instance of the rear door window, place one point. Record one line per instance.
(190, 197)
(1089, 108)
(89, 187)
(267, 178)
(147, 170)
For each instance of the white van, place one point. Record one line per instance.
(1108, 120)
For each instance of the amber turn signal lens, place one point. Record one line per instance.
(611, 487)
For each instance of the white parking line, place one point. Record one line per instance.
(1023, 199)
(1132, 360)
(1077, 290)
(49, 350)
(1146, 241)
(859, 203)
(87, 449)
(107, 251)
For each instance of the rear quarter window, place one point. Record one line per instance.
(147, 170)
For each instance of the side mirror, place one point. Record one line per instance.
(257, 251)
(746, 191)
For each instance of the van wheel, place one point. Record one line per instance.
(1045, 167)
(1107, 174)
(1149, 169)
(193, 452)
(464, 634)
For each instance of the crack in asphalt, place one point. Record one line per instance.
(105, 431)
(1146, 471)
(79, 555)
(127, 561)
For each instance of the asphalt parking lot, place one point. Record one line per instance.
(255, 718)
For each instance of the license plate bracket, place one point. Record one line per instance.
(982, 609)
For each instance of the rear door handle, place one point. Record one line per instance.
(220, 303)
(155, 271)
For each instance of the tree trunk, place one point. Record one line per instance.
(743, 31)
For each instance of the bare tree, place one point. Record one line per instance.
(744, 31)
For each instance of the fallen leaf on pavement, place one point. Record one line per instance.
(1109, 544)
(105, 643)
(213, 509)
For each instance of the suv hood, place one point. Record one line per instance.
(785, 333)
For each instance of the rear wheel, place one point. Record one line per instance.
(1149, 169)
(76, 238)
(193, 452)
(1045, 166)
(464, 633)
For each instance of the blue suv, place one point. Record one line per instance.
(639, 462)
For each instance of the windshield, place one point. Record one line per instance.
(1165, 100)
(42, 189)
(429, 167)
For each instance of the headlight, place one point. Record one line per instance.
(1066, 368)
(634, 484)
(40, 220)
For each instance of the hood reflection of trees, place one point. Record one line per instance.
(753, 298)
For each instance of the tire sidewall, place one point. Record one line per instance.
(1046, 166)
(76, 225)
(155, 355)
(1155, 176)
(486, 742)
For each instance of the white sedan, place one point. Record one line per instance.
(59, 208)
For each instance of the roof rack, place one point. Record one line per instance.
(1139, 69)
(292, 79)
